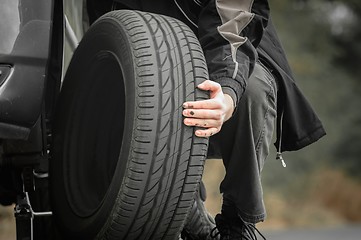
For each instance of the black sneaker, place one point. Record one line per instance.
(235, 229)
(199, 222)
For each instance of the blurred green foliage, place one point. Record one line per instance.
(322, 39)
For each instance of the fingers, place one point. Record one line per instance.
(211, 86)
(203, 113)
(205, 123)
(210, 120)
(207, 114)
(214, 101)
(204, 104)
(207, 132)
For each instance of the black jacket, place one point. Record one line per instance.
(234, 34)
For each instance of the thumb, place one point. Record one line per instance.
(211, 86)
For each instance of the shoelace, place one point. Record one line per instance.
(251, 230)
(248, 228)
(215, 233)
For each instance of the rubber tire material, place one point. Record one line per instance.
(124, 166)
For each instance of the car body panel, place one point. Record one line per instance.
(25, 37)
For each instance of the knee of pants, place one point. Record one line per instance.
(261, 88)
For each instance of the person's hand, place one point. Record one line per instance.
(209, 114)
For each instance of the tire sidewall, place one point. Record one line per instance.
(95, 41)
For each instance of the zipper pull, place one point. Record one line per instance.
(280, 158)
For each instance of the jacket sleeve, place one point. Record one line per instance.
(229, 32)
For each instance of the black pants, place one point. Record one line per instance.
(243, 143)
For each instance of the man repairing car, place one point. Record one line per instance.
(251, 87)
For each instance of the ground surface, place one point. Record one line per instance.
(278, 226)
(337, 233)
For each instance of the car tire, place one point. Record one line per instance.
(124, 166)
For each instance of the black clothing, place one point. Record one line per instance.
(239, 40)
(298, 125)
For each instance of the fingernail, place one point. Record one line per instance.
(185, 105)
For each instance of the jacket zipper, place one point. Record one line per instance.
(279, 153)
